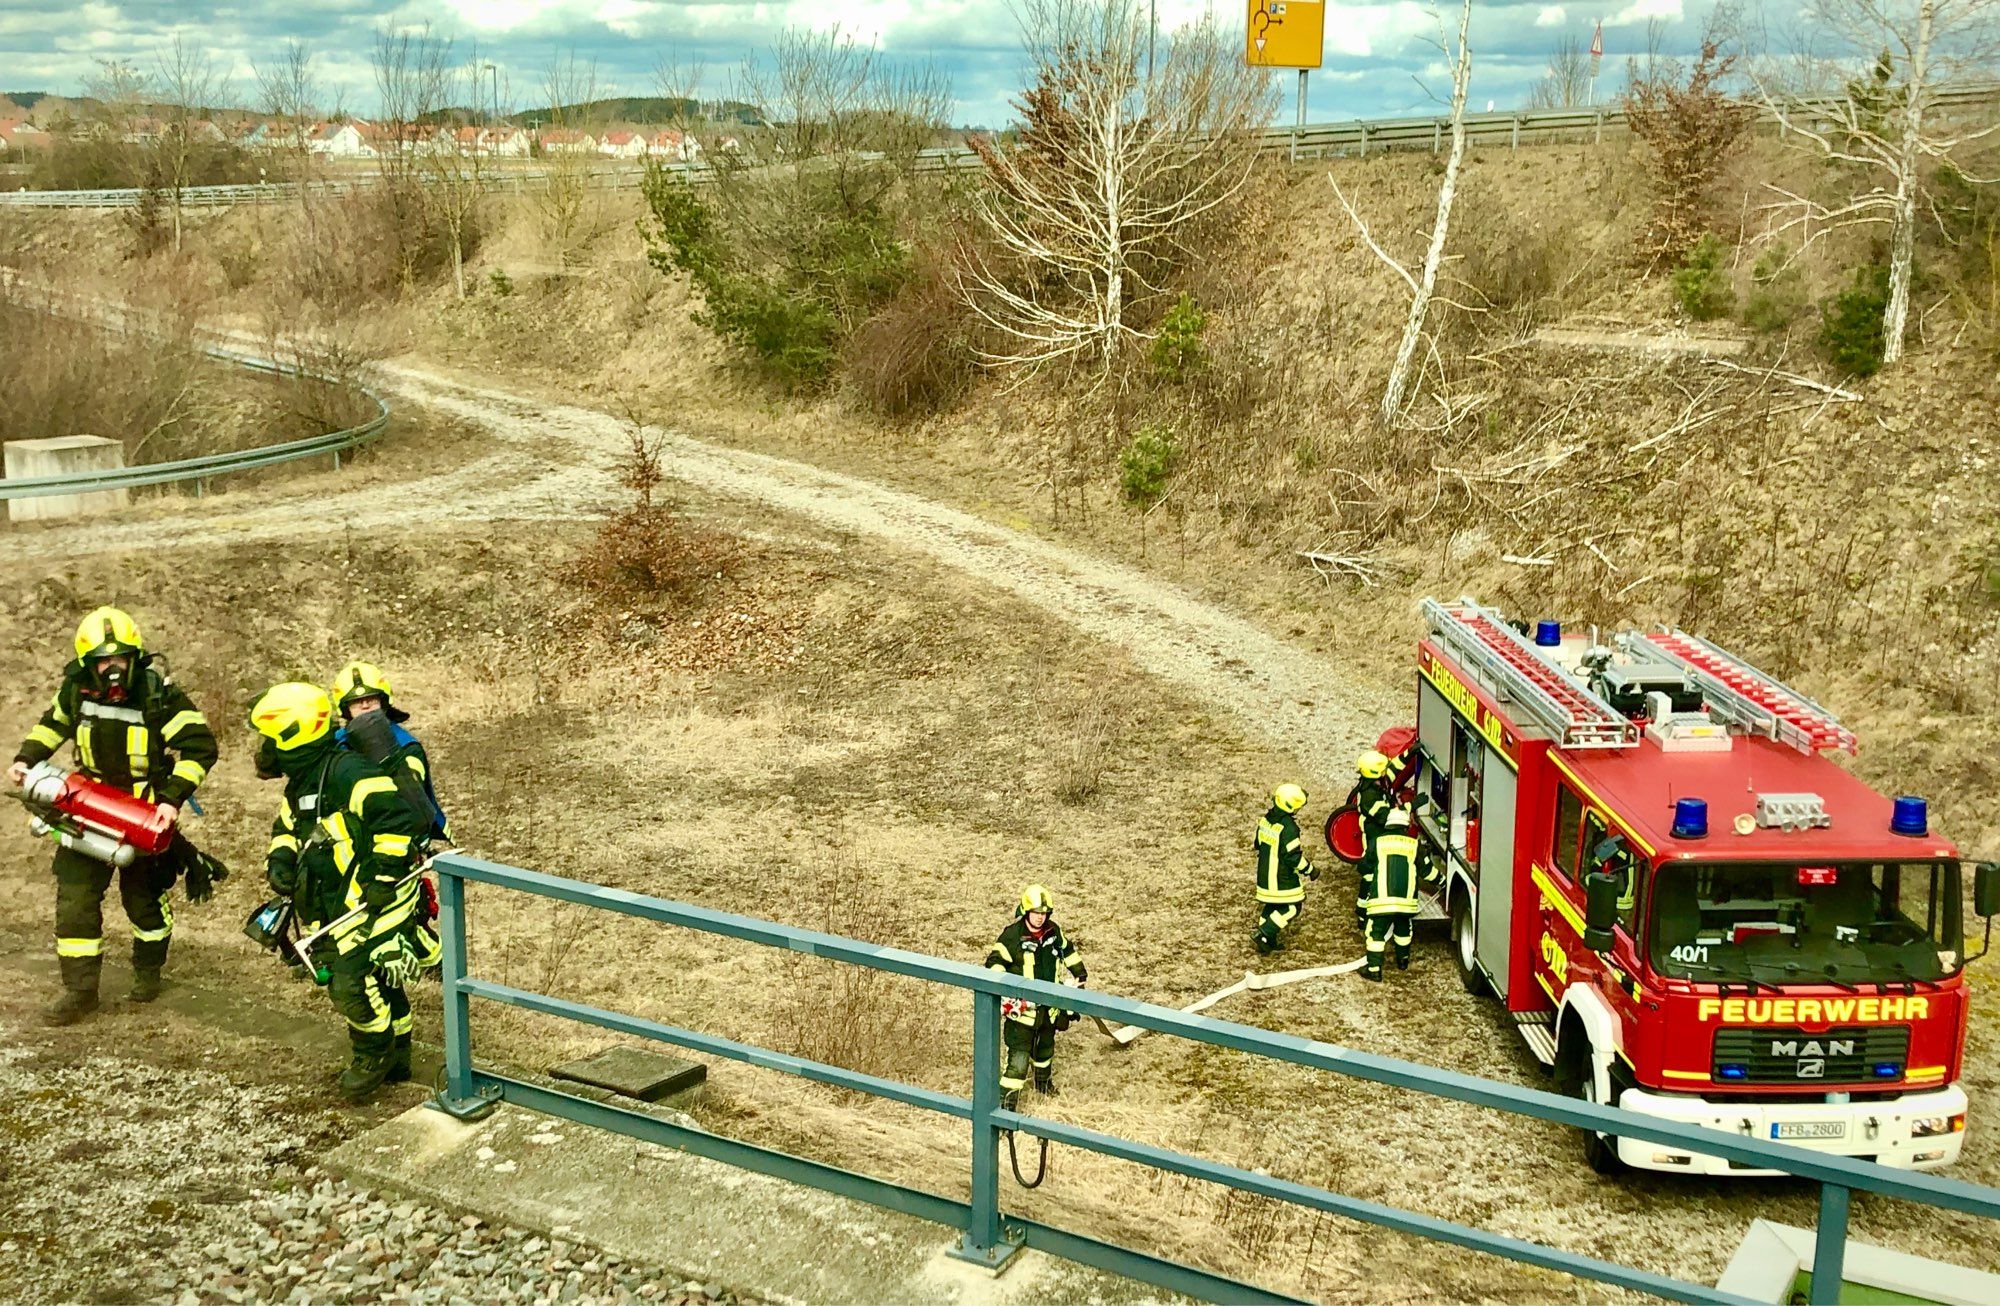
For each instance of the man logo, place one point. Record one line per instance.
(1812, 1068)
(1833, 1047)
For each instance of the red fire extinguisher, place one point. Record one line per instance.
(100, 821)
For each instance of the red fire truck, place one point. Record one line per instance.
(1686, 908)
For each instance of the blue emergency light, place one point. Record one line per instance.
(1548, 634)
(1732, 1072)
(1690, 818)
(1887, 1070)
(1910, 817)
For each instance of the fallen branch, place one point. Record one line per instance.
(1371, 572)
(1527, 562)
(1792, 378)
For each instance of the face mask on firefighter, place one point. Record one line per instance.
(111, 672)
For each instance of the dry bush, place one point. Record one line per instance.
(915, 354)
(1080, 746)
(1691, 130)
(352, 251)
(852, 1016)
(646, 557)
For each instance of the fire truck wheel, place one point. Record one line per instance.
(1461, 947)
(1574, 1077)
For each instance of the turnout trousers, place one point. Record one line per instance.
(145, 887)
(377, 1012)
(1383, 928)
(1273, 919)
(1028, 1045)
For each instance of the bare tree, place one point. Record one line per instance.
(454, 170)
(1422, 285)
(288, 90)
(678, 79)
(833, 114)
(576, 117)
(1110, 176)
(189, 86)
(1884, 131)
(412, 75)
(121, 92)
(1566, 84)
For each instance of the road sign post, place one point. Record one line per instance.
(1287, 34)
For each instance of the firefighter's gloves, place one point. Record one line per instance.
(398, 962)
(378, 894)
(1308, 870)
(1064, 1020)
(203, 874)
(283, 877)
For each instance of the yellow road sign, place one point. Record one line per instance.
(1285, 33)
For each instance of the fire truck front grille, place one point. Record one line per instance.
(1875, 1053)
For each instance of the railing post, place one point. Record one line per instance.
(1600, 128)
(1515, 142)
(456, 1098)
(1830, 1245)
(1437, 134)
(985, 1241)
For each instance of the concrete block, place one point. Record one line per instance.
(635, 1072)
(63, 455)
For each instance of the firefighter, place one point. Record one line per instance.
(1033, 946)
(361, 688)
(1392, 879)
(342, 840)
(131, 727)
(1374, 799)
(1282, 869)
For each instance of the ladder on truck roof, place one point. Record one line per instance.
(1743, 695)
(1521, 673)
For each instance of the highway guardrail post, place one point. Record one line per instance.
(985, 1243)
(1830, 1243)
(457, 1098)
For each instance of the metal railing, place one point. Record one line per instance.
(200, 470)
(988, 1233)
(1358, 137)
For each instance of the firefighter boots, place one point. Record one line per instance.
(72, 1006)
(366, 1073)
(145, 984)
(1045, 1081)
(399, 1061)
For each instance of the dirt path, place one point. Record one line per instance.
(556, 461)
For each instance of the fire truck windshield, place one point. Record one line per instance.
(1771, 923)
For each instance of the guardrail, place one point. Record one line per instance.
(201, 470)
(1311, 141)
(989, 1234)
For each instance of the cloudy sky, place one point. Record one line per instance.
(1375, 53)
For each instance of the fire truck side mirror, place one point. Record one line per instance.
(1600, 910)
(1986, 889)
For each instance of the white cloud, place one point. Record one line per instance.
(1645, 11)
(1551, 16)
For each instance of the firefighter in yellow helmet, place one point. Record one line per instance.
(1374, 799)
(342, 840)
(1282, 869)
(372, 725)
(132, 727)
(1391, 878)
(1033, 946)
